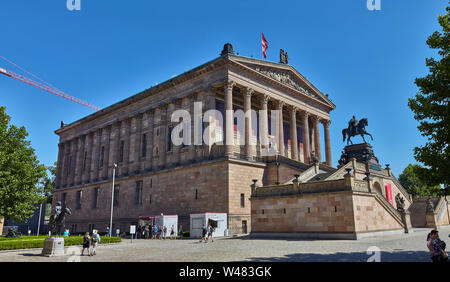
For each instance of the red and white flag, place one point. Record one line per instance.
(265, 45)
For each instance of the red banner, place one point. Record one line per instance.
(389, 193)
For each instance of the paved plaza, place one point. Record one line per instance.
(394, 248)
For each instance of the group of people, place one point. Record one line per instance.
(157, 232)
(90, 242)
(436, 247)
(207, 232)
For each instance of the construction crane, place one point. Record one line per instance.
(47, 88)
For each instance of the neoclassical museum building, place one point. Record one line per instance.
(155, 176)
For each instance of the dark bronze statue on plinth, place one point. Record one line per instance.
(57, 220)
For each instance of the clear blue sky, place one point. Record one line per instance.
(365, 60)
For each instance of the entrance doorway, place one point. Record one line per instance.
(244, 227)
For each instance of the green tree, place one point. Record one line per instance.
(21, 174)
(431, 109)
(414, 185)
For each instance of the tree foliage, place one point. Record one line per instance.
(410, 180)
(21, 174)
(431, 109)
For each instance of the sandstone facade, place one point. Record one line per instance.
(156, 176)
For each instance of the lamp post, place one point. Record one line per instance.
(112, 200)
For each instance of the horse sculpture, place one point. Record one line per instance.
(57, 221)
(356, 129)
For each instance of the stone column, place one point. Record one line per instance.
(126, 148)
(147, 125)
(95, 156)
(135, 143)
(87, 165)
(191, 100)
(59, 164)
(326, 125)
(293, 125)
(72, 162)
(210, 130)
(106, 143)
(264, 122)
(197, 122)
(114, 140)
(317, 148)
(280, 128)
(79, 159)
(306, 141)
(229, 120)
(248, 122)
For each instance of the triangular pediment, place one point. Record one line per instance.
(286, 75)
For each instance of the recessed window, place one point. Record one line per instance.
(78, 202)
(116, 195)
(144, 145)
(122, 146)
(169, 138)
(138, 193)
(95, 198)
(242, 201)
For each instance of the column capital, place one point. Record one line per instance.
(315, 119)
(294, 109)
(326, 122)
(249, 91)
(230, 84)
(265, 98)
(280, 104)
(305, 114)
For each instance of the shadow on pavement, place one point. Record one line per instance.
(403, 256)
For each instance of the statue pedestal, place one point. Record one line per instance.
(362, 153)
(53, 247)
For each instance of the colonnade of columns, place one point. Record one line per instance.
(141, 142)
(306, 118)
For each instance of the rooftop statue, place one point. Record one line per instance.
(356, 128)
(283, 57)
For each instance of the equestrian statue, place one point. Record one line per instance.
(356, 128)
(57, 220)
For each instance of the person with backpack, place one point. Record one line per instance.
(436, 247)
(94, 241)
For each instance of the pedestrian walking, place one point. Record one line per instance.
(94, 241)
(107, 231)
(164, 231)
(436, 247)
(86, 243)
(210, 233)
(172, 232)
(147, 231)
(155, 231)
(204, 232)
(180, 231)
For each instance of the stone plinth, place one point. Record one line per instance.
(362, 153)
(53, 247)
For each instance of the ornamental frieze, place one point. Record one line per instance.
(286, 79)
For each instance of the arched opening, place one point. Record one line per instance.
(377, 188)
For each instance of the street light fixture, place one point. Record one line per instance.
(112, 200)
